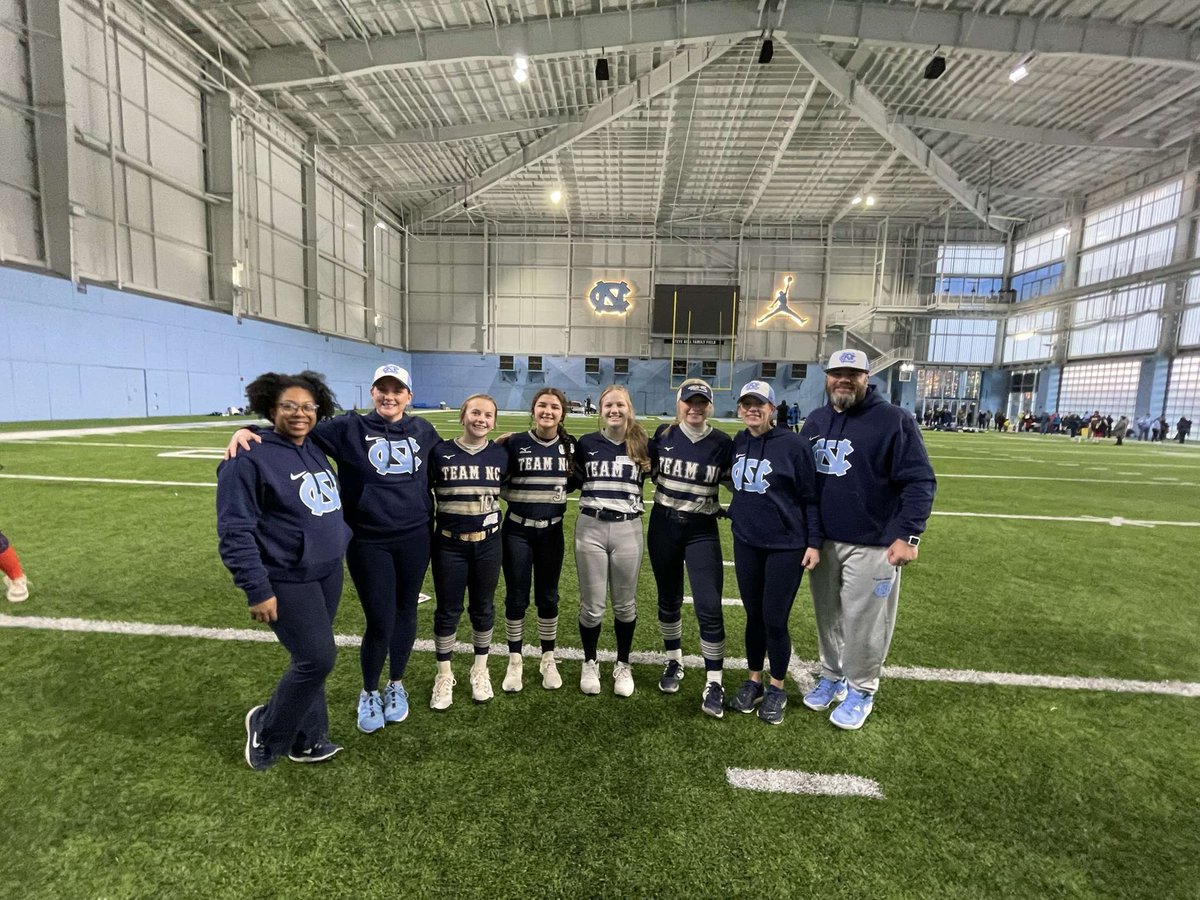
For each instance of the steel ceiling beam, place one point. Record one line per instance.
(1160, 100)
(839, 21)
(874, 114)
(780, 152)
(1023, 134)
(447, 133)
(868, 187)
(658, 80)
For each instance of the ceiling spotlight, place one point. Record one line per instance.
(521, 62)
(1063, 232)
(520, 76)
(870, 200)
(767, 51)
(602, 69)
(1020, 71)
(855, 200)
(556, 196)
(935, 68)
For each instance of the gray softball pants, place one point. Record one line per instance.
(855, 594)
(608, 557)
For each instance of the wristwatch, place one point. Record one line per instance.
(913, 540)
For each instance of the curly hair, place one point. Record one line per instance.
(263, 392)
(567, 441)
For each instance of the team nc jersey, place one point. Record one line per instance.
(538, 472)
(687, 473)
(467, 486)
(609, 478)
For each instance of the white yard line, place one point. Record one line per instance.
(1158, 483)
(201, 484)
(220, 449)
(122, 429)
(908, 673)
(791, 781)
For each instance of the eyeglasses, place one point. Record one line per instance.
(287, 406)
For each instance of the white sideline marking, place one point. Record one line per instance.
(1157, 483)
(194, 453)
(692, 661)
(41, 443)
(1110, 520)
(203, 484)
(123, 429)
(791, 781)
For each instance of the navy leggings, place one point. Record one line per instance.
(296, 715)
(768, 581)
(470, 568)
(676, 539)
(388, 576)
(533, 557)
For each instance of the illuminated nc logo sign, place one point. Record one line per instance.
(394, 457)
(751, 475)
(848, 356)
(779, 307)
(610, 297)
(318, 491)
(831, 456)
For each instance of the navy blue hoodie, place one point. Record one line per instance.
(384, 470)
(773, 485)
(874, 481)
(279, 516)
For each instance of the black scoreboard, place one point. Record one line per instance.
(695, 310)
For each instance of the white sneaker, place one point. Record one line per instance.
(622, 679)
(443, 692)
(589, 680)
(18, 588)
(512, 678)
(551, 680)
(481, 684)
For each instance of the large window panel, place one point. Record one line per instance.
(1189, 325)
(342, 285)
(1110, 387)
(1183, 392)
(276, 253)
(1030, 337)
(1137, 254)
(1120, 321)
(389, 285)
(1036, 282)
(962, 341)
(1039, 249)
(1138, 213)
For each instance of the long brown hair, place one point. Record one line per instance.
(636, 439)
(568, 442)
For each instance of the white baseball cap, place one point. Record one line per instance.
(848, 359)
(759, 389)
(392, 371)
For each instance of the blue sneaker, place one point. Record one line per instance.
(370, 711)
(321, 750)
(258, 755)
(395, 703)
(773, 705)
(853, 711)
(825, 694)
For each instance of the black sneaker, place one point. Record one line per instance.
(321, 750)
(258, 755)
(714, 700)
(671, 676)
(773, 705)
(749, 695)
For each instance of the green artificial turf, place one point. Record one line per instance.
(123, 774)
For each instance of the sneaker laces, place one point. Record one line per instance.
(443, 685)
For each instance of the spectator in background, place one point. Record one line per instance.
(1154, 423)
(1163, 428)
(983, 420)
(1182, 429)
(794, 417)
(14, 578)
(781, 415)
(1120, 429)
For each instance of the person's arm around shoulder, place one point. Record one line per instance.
(243, 439)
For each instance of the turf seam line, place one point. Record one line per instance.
(799, 668)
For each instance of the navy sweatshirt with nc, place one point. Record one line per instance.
(874, 481)
(279, 516)
(384, 470)
(773, 491)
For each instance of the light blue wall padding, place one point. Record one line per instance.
(107, 353)
(1152, 389)
(1047, 394)
(452, 377)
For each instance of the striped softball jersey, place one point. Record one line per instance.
(466, 485)
(538, 472)
(609, 478)
(687, 473)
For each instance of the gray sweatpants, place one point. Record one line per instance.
(608, 556)
(855, 593)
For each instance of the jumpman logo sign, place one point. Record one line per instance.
(780, 307)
